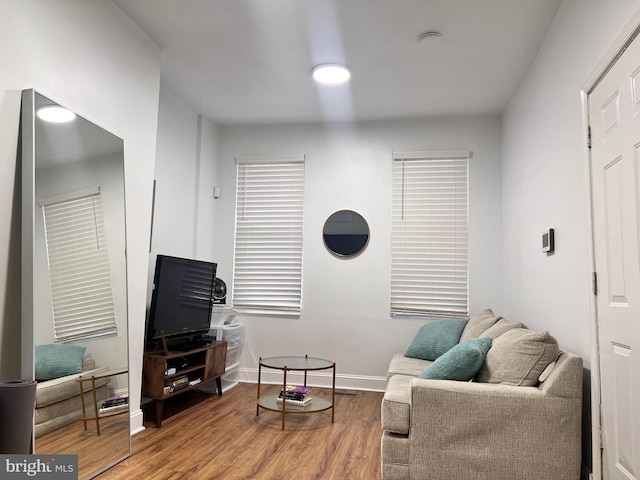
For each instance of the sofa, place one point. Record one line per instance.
(58, 401)
(511, 412)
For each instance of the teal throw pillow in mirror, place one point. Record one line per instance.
(462, 362)
(58, 360)
(436, 338)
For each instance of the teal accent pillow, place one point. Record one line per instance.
(436, 338)
(58, 360)
(462, 362)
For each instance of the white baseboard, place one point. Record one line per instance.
(136, 421)
(314, 379)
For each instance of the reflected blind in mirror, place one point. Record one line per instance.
(429, 259)
(267, 273)
(80, 278)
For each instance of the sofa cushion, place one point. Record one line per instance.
(71, 404)
(401, 365)
(59, 414)
(435, 338)
(395, 455)
(478, 323)
(501, 326)
(57, 360)
(396, 404)
(61, 388)
(518, 357)
(462, 362)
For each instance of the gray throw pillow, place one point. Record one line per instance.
(501, 326)
(518, 357)
(478, 323)
(461, 363)
(436, 338)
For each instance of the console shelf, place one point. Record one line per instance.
(204, 364)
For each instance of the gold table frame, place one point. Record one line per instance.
(92, 379)
(296, 364)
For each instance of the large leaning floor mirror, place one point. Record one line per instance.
(74, 297)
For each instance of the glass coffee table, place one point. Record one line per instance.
(296, 364)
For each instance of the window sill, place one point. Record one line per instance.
(267, 313)
(426, 316)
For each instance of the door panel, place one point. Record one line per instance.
(614, 107)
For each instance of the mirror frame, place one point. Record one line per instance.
(348, 233)
(27, 164)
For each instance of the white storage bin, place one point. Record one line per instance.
(233, 358)
(230, 379)
(233, 334)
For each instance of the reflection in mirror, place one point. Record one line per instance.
(346, 233)
(74, 286)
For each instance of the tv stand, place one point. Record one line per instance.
(171, 372)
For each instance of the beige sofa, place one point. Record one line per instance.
(485, 430)
(58, 401)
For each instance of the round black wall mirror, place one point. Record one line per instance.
(345, 233)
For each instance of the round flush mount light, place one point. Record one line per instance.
(430, 38)
(331, 73)
(55, 114)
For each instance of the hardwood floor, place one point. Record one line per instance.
(94, 451)
(222, 438)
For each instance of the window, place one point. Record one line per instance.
(267, 273)
(429, 261)
(79, 273)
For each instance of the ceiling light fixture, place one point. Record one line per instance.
(430, 38)
(55, 114)
(331, 73)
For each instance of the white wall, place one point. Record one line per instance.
(345, 315)
(90, 57)
(345, 302)
(207, 180)
(176, 178)
(545, 175)
(545, 180)
(186, 172)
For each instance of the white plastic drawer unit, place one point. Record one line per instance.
(233, 358)
(230, 379)
(233, 335)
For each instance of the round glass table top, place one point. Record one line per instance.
(296, 363)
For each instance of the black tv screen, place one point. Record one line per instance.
(181, 299)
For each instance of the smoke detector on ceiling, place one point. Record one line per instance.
(430, 38)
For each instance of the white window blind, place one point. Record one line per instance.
(267, 274)
(79, 272)
(429, 260)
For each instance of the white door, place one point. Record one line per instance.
(614, 116)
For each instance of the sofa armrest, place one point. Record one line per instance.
(468, 430)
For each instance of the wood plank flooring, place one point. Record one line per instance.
(222, 438)
(95, 452)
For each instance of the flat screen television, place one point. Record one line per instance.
(181, 300)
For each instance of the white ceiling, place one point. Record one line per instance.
(250, 61)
